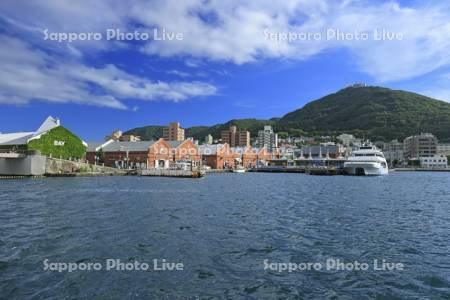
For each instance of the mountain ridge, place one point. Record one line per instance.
(375, 112)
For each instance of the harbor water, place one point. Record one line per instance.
(233, 234)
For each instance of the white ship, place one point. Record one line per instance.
(367, 160)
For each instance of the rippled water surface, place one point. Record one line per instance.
(223, 227)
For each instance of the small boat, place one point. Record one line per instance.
(239, 169)
(367, 160)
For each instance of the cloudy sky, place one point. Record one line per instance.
(209, 61)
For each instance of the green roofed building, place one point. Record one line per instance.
(51, 139)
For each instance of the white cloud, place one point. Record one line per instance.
(236, 32)
(28, 74)
(232, 31)
(178, 73)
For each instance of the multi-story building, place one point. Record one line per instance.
(173, 132)
(208, 139)
(267, 138)
(423, 145)
(230, 136)
(236, 138)
(393, 151)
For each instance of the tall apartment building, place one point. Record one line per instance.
(267, 138)
(423, 145)
(393, 151)
(173, 132)
(236, 138)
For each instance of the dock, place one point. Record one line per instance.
(329, 171)
(421, 170)
(325, 171)
(171, 173)
(276, 169)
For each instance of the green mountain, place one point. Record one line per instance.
(199, 132)
(373, 112)
(147, 133)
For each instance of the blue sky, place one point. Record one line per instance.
(232, 60)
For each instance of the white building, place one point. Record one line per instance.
(348, 139)
(436, 161)
(208, 139)
(267, 138)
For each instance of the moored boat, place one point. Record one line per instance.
(367, 160)
(239, 169)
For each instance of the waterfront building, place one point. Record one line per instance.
(159, 154)
(322, 152)
(267, 138)
(222, 156)
(423, 145)
(118, 154)
(173, 132)
(208, 139)
(218, 156)
(183, 152)
(435, 161)
(235, 138)
(286, 152)
(50, 139)
(264, 156)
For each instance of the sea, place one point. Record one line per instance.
(226, 236)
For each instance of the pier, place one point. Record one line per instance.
(171, 173)
(305, 170)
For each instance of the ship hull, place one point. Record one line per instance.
(365, 169)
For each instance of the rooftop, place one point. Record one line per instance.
(117, 146)
(22, 138)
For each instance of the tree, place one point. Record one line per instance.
(100, 156)
(283, 134)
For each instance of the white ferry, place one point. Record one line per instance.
(367, 160)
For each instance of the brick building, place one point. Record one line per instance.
(143, 154)
(219, 156)
(185, 151)
(253, 157)
(222, 156)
